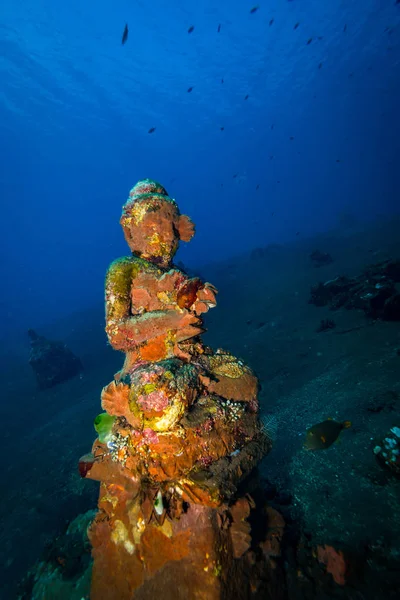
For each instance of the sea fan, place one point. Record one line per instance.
(269, 426)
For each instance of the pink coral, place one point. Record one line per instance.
(156, 401)
(150, 436)
(208, 425)
(205, 461)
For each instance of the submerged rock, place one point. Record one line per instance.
(51, 361)
(320, 259)
(388, 451)
(65, 570)
(374, 292)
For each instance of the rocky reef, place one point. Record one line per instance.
(375, 291)
(179, 434)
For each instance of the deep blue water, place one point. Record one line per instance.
(76, 107)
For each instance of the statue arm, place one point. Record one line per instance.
(126, 331)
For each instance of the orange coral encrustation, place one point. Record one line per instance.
(182, 428)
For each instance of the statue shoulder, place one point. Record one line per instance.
(123, 270)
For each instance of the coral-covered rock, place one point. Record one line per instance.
(272, 545)
(388, 451)
(240, 527)
(334, 561)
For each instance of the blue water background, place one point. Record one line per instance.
(76, 106)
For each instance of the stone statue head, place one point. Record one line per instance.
(152, 223)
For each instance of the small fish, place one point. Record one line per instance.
(191, 28)
(222, 128)
(151, 130)
(235, 175)
(320, 66)
(125, 34)
(190, 89)
(246, 97)
(272, 126)
(291, 138)
(222, 81)
(345, 27)
(257, 186)
(254, 9)
(309, 41)
(219, 28)
(271, 21)
(322, 435)
(296, 26)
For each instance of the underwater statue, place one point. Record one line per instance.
(180, 428)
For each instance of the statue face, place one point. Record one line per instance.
(154, 232)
